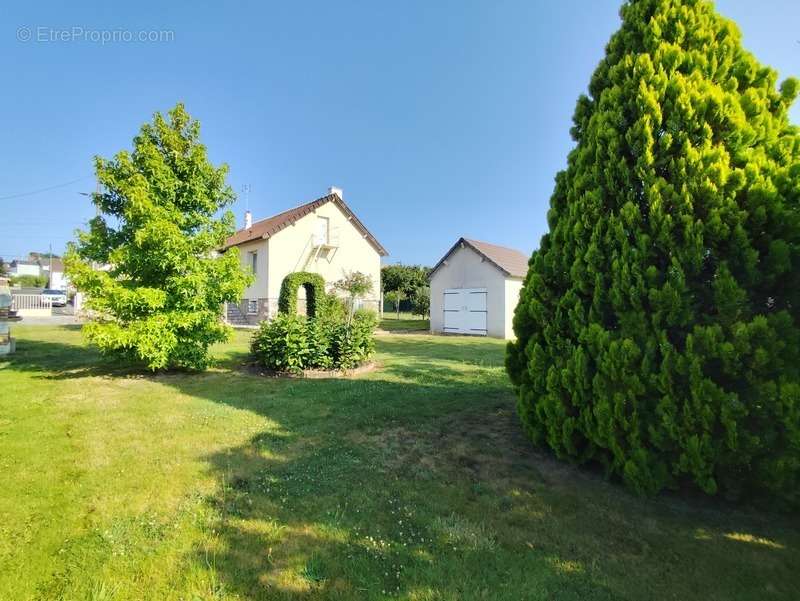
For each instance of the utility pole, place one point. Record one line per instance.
(50, 269)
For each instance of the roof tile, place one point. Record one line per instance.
(511, 262)
(272, 225)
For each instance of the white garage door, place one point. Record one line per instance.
(465, 311)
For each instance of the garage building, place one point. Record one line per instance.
(475, 288)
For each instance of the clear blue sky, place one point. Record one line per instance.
(439, 119)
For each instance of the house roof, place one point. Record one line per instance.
(272, 225)
(58, 264)
(43, 262)
(511, 262)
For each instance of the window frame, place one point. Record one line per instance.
(253, 256)
(325, 239)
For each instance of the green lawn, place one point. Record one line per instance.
(411, 482)
(406, 323)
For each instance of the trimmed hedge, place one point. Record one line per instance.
(315, 291)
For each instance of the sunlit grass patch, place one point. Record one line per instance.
(413, 482)
(460, 532)
(755, 540)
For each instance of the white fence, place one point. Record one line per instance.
(31, 305)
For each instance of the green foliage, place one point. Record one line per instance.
(319, 333)
(292, 343)
(657, 331)
(352, 344)
(406, 278)
(355, 285)
(421, 301)
(3, 268)
(29, 281)
(332, 308)
(314, 285)
(394, 297)
(282, 343)
(160, 301)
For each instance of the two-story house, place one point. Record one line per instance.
(323, 236)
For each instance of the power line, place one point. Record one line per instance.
(21, 224)
(39, 222)
(39, 191)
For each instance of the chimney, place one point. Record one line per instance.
(337, 191)
(248, 220)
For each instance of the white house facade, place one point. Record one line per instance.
(56, 277)
(25, 267)
(323, 236)
(475, 288)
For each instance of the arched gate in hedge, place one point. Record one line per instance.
(314, 285)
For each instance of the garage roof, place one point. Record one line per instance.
(511, 262)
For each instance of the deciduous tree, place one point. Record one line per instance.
(403, 277)
(355, 285)
(158, 229)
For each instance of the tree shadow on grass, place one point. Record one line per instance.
(59, 360)
(381, 486)
(417, 481)
(332, 520)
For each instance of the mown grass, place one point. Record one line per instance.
(405, 323)
(411, 482)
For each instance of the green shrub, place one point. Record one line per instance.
(367, 315)
(29, 281)
(352, 345)
(315, 290)
(320, 332)
(282, 344)
(292, 343)
(658, 330)
(332, 308)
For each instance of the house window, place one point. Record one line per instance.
(252, 305)
(321, 234)
(253, 262)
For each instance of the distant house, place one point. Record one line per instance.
(54, 270)
(475, 288)
(25, 267)
(323, 236)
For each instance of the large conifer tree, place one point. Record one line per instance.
(659, 324)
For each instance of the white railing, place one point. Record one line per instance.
(26, 302)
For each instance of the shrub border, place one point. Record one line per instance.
(315, 292)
